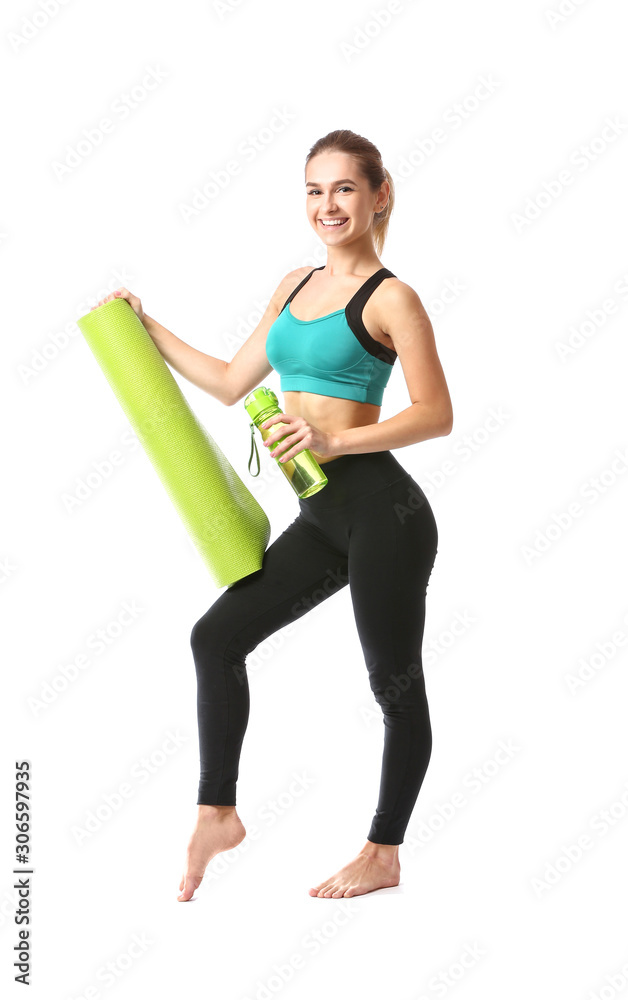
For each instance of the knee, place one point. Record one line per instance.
(402, 694)
(217, 652)
(206, 634)
(217, 646)
(388, 687)
(195, 635)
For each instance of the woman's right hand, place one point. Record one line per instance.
(124, 293)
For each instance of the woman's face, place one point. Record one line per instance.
(337, 192)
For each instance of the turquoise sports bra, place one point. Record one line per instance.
(333, 355)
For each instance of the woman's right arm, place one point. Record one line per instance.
(227, 381)
(208, 373)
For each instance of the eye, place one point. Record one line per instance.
(343, 188)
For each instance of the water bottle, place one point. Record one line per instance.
(303, 471)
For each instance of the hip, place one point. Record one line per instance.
(354, 477)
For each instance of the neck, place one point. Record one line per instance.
(354, 259)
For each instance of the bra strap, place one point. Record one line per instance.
(365, 291)
(300, 285)
(356, 323)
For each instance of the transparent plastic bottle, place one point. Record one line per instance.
(303, 471)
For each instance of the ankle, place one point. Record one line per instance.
(383, 852)
(215, 812)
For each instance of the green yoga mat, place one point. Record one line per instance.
(221, 515)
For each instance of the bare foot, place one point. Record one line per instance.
(218, 828)
(375, 867)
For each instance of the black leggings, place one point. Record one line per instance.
(370, 527)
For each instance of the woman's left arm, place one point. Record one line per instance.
(430, 414)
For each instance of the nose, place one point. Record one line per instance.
(329, 205)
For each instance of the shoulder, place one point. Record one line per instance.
(398, 305)
(395, 292)
(287, 285)
(397, 295)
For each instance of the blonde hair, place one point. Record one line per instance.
(369, 161)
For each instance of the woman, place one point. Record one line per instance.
(370, 527)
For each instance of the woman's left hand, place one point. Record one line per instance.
(299, 436)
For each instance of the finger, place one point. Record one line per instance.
(100, 302)
(290, 446)
(274, 436)
(275, 448)
(124, 293)
(280, 435)
(290, 454)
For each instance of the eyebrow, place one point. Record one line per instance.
(341, 181)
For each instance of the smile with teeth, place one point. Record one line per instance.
(333, 222)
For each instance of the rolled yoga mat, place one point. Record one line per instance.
(223, 518)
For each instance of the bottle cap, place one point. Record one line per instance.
(258, 401)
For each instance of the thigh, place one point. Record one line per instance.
(299, 570)
(392, 549)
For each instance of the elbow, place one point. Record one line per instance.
(221, 396)
(445, 422)
(436, 420)
(229, 395)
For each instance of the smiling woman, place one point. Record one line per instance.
(333, 334)
(350, 328)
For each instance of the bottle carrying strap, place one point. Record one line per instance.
(254, 450)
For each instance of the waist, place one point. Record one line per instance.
(355, 475)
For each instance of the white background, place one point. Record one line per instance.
(534, 259)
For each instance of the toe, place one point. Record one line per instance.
(190, 884)
(318, 889)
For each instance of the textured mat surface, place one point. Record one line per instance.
(223, 518)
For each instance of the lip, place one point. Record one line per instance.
(333, 227)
